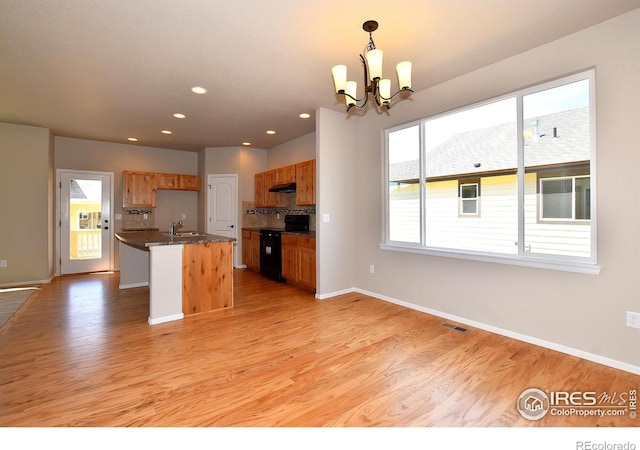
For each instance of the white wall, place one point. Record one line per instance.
(578, 312)
(26, 204)
(292, 152)
(337, 178)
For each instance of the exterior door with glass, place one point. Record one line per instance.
(86, 235)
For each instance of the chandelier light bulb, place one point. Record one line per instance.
(339, 78)
(403, 70)
(385, 90)
(352, 91)
(374, 62)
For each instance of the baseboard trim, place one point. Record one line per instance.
(496, 330)
(133, 285)
(26, 283)
(165, 319)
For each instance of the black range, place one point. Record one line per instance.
(271, 245)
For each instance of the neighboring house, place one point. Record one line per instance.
(471, 189)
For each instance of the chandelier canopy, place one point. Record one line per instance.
(375, 85)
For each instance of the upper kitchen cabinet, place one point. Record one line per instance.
(139, 189)
(176, 181)
(269, 182)
(286, 174)
(263, 181)
(258, 189)
(306, 183)
(189, 182)
(167, 181)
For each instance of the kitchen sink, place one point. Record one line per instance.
(186, 234)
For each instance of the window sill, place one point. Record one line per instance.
(538, 263)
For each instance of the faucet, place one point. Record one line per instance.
(173, 226)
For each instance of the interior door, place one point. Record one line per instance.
(222, 205)
(86, 236)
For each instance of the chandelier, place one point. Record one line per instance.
(378, 87)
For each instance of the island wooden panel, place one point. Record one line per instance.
(207, 277)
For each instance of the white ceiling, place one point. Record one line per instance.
(110, 69)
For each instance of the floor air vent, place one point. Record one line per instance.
(455, 327)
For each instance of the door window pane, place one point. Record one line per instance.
(85, 219)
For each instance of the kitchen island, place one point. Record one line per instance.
(187, 273)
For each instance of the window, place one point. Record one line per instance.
(469, 197)
(528, 155)
(565, 198)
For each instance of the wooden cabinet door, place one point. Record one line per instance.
(269, 181)
(258, 189)
(255, 250)
(289, 257)
(306, 262)
(189, 182)
(246, 248)
(138, 189)
(286, 174)
(306, 183)
(167, 180)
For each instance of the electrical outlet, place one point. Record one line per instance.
(372, 268)
(633, 319)
(3, 263)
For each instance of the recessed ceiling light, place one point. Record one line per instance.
(271, 132)
(246, 144)
(166, 132)
(132, 139)
(198, 90)
(179, 116)
(304, 115)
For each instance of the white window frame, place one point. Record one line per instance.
(476, 199)
(523, 257)
(573, 200)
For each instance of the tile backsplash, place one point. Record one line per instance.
(253, 217)
(138, 218)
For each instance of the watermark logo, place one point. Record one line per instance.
(533, 404)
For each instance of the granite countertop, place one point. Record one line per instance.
(308, 233)
(146, 239)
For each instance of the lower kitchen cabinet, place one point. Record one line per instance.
(251, 249)
(289, 256)
(299, 260)
(306, 275)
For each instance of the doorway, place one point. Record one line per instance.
(85, 239)
(222, 208)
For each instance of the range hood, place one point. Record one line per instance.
(285, 188)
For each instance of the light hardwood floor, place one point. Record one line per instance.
(80, 353)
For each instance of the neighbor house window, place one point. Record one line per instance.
(529, 156)
(565, 198)
(469, 197)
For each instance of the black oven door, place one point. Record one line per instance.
(271, 255)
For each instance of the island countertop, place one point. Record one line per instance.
(146, 239)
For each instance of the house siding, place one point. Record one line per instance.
(494, 229)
